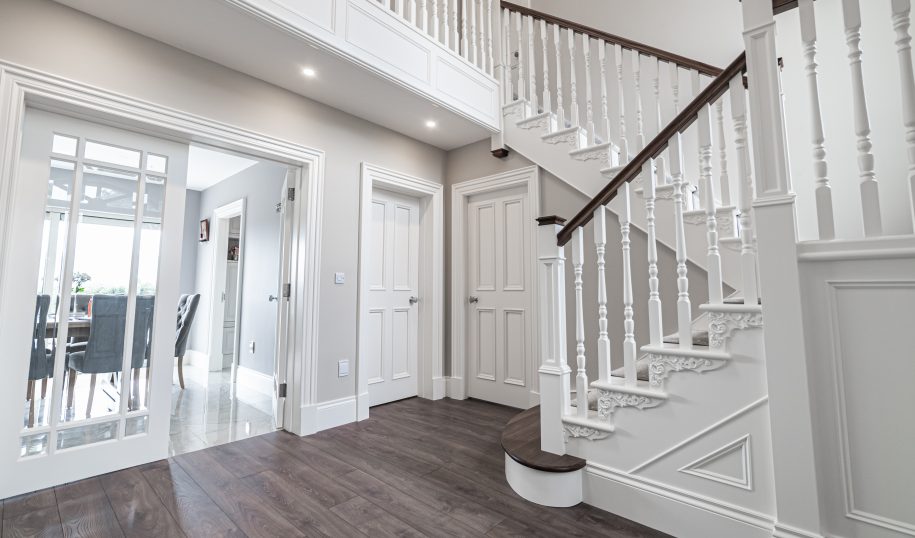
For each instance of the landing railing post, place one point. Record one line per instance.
(797, 499)
(555, 374)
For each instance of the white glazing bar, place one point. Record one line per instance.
(547, 101)
(589, 105)
(604, 103)
(870, 202)
(490, 57)
(826, 224)
(574, 116)
(581, 381)
(519, 27)
(603, 338)
(637, 81)
(745, 189)
(531, 66)
(724, 180)
(621, 103)
(629, 346)
(557, 44)
(655, 319)
(704, 123)
(901, 23)
(684, 312)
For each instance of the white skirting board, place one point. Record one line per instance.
(326, 415)
(255, 380)
(455, 388)
(671, 510)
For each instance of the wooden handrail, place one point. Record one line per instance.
(663, 55)
(712, 92)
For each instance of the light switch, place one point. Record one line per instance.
(343, 368)
(339, 278)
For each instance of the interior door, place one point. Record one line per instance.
(284, 291)
(390, 333)
(499, 298)
(90, 347)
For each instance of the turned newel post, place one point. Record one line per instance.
(555, 382)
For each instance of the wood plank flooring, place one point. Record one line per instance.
(416, 468)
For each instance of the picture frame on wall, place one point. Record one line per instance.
(204, 230)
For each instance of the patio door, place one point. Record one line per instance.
(88, 301)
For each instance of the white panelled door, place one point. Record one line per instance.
(390, 335)
(89, 297)
(499, 288)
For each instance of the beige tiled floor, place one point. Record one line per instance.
(212, 411)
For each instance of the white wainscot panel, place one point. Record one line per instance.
(373, 34)
(466, 86)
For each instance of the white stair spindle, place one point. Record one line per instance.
(544, 43)
(629, 346)
(724, 178)
(560, 111)
(589, 105)
(715, 289)
(691, 200)
(870, 202)
(424, 16)
(825, 219)
(901, 23)
(399, 7)
(639, 123)
(604, 104)
(581, 381)
(465, 41)
(506, 56)
(435, 21)
(603, 339)
(472, 38)
(618, 53)
(489, 50)
(674, 71)
(684, 312)
(411, 10)
(655, 320)
(531, 66)
(573, 87)
(656, 89)
(455, 26)
(750, 281)
(519, 29)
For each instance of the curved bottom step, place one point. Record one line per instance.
(540, 477)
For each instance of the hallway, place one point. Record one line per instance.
(416, 468)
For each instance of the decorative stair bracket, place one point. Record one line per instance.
(590, 429)
(723, 323)
(609, 401)
(661, 365)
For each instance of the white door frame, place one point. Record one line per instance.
(431, 278)
(217, 276)
(21, 87)
(528, 177)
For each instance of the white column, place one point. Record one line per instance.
(603, 338)
(870, 201)
(684, 309)
(621, 90)
(637, 78)
(531, 66)
(604, 103)
(748, 263)
(560, 111)
(581, 380)
(547, 102)
(589, 104)
(555, 383)
(655, 319)
(724, 179)
(715, 288)
(901, 23)
(573, 87)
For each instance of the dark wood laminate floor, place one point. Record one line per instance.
(416, 468)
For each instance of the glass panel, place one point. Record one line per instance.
(101, 273)
(136, 425)
(156, 163)
(33, 445)
(88, 434)
(64, 145)
(107, 153)
(43, 352)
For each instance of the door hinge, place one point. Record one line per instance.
(281, 390)
(287, 290)
(290, 194)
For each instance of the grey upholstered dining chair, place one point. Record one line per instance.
(41, 361)
(187, 309)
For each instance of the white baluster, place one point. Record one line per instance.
(489, 50)
(573, 87)
(715, 295)
(674, 71)
(455, 26)
(472, 38)
(693, 202)
(411, 10)
(604, 103)
(684, 313)
(560, 110)
(519, 27)
(637, 78)
(581, 381)
(901, 23)
(423, 16)
(589, 106)
(465, 41)
(621, 91)
(655, 319)
(825, 219)
(629, 346)
(399, 7)
(603, 339)
(656, 89)
(435, 21)
(724, 179)
(531, 69)
(870, 202)
(507, 54)
(544, 42)
(749, 282)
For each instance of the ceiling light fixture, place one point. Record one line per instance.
(308, 72)
(431, 124)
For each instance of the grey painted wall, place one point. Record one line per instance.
(260, 186)
(188, 282)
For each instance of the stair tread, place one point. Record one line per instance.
(521, 441)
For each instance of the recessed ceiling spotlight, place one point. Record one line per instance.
(431, 124)
(308, 72)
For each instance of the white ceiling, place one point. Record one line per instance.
(246, 44)
(207, 167)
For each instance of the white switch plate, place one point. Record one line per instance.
(339, 278)
(343, 368)
(251, 346)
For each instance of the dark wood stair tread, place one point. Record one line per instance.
(521, 441)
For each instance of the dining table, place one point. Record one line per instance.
(77, 327)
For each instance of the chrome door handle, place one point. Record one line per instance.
(272, 298)
(474, 300)
(414, 299)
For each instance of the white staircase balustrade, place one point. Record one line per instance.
(901, 22)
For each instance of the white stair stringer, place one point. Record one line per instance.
(563, 153)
